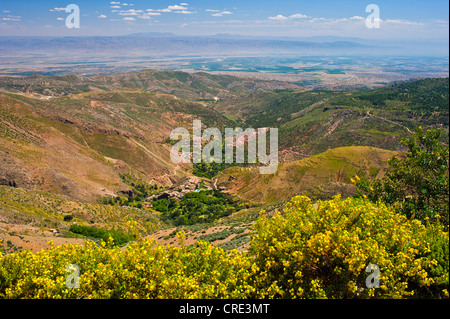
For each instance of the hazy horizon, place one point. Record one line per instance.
(402, 20)
(40, 36)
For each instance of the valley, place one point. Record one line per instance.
(222, 158)
(95, 151)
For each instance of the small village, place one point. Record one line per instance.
(186, 185)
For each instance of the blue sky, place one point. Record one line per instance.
(400, 19)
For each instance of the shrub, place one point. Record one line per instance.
(119, 238)
(322, 251)
(417, 185)
(142, 270)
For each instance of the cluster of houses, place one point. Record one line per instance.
(186, 185)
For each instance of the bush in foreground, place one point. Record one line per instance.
(322, 251)
(313, 251)
(142, 270)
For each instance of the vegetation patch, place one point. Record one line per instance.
(197, 207)
(119, 238)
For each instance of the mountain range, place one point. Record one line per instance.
(151, 45)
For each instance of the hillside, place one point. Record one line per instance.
(312, 122)
(30, 219)
(320, 176)
(184, 85)
(97, 148)
(77, 145)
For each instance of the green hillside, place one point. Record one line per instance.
(184, 85)
(319, 176)
(312, 122)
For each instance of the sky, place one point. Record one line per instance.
(399, 19)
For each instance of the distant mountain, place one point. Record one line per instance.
(181, 84)
(320, 39)
(143, 44)
(152, 34)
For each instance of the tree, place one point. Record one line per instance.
(417, 184)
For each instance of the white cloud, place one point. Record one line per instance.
(220, 14)
(176, 7)
(60, 19)
(147, 14)
(10, 19)
(102, 16)
(316, 19)
(58, 9)
(130, 12)
(129, 19)
(279, 17)
(298, 16)
(400, 22)
(114, 2)
(441, 21)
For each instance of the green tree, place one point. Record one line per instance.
(417, 184)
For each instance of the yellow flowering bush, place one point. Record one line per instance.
(322, 251)
(312, 251)
(141, 270)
